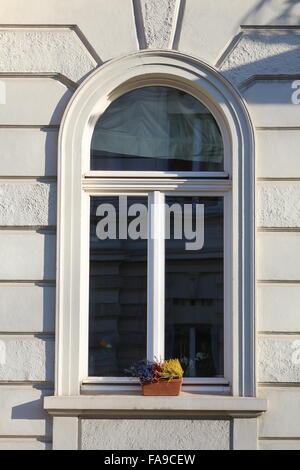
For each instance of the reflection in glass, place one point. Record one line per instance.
(194, 293)
(157, 128)
(118, 296)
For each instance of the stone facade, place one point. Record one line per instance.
(41, 66)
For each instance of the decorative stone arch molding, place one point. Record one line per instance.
(90, 100)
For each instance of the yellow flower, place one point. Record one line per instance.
(171, 369)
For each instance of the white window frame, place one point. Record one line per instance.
(156, 268)
(76, 183)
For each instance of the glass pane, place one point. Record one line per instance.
(157, 128)
(118, 288)
(194, 285)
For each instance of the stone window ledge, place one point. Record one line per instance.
(187, 404)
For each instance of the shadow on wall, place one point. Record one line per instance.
(49, 302)
(268, 53)
(51, 144)
(263, 53)
(286, 16)
(33, 410)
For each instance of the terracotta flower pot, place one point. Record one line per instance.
(162, 388)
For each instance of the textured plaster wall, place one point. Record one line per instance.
(211, 28)
(27, 204)
(282, 419)
(273, 299)
(278, 205)
(155, 434)
(45, 51)
(159, 19)
(22, 414)
(27, 307)
(33, 101)
(28, 151)
(278, 256)
(276, 359)
(26, 358)
(108, 26)
(27, 255)
(264, 52)
(273, 159)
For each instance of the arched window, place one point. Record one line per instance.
(157, 128)
(157, 256)
(155, 227)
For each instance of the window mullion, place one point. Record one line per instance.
(156, 276)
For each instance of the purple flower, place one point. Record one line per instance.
(143, 369)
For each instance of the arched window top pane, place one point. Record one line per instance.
(157, 128)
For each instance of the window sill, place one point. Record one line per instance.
(91, 387)
(186, 404)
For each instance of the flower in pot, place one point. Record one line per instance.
(159, 377)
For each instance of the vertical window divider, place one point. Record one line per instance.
(156, 276)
